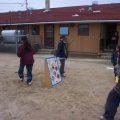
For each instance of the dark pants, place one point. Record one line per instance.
(62, 62)
(112, 104)
(29, 72)
(114, 47)
(114, 71)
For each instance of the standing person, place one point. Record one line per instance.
(62, 54)
(112, 102)
(115, 39)
(115, 58)
(25, 52)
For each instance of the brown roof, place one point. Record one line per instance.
(77, 13)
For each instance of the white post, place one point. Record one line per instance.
(16, 42)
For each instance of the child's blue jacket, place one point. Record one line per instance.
(114, 58)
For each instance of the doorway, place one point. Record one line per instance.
(49, 36)
(107, 32)
(111, 28)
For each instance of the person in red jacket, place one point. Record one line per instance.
(25, 53)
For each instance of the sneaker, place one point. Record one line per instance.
(29, 83)
(102, 118)
(63, 75)
(21, 79)
(114, 76)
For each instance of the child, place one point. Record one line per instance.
(113, 100)
(25, 52)
(115, 58)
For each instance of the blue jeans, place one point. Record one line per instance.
(112, 104)
(29, 72)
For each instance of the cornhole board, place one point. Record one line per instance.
(52, 72)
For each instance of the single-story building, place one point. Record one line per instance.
(87, 28)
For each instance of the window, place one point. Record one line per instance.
(83, 30)
(22, 29)
(6, 27)
(35, 30)
(64, 30)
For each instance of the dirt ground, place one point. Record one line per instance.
(81, 95)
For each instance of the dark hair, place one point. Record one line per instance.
(118, 46)
(26, 43)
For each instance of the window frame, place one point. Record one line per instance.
(38, 33)
(21, 29)
(65, 25)
(84, 34)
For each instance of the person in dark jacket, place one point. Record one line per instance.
(62, 54)
(115, 58)
(113, 100)
(25, 52)
(115, 39)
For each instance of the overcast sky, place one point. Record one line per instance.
(40, 4)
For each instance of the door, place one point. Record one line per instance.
(111, 28)
(49, 36)
(106, 33)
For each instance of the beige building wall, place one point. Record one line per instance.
(34, 38)
(42, 33)
(77, 43)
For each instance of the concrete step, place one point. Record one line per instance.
(105, 57)
(40, 52)
(45, 51)
(108, 50)
(105, 54)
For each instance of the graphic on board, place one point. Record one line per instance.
(53, 69)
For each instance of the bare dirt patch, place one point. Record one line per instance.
(81, 95)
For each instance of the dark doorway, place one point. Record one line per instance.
(106, 34)
(49, 36)
(110, 31)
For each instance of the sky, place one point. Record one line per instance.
(12, 5)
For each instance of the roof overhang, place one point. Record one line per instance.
(63, 22)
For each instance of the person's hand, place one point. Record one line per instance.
(116, 65)
(113, 38)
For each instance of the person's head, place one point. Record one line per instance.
(27, 44)
(63, 38)
(116, 33)
(118, 48)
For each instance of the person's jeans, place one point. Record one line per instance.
(62, 62)
(112, 104)
(29, 72)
